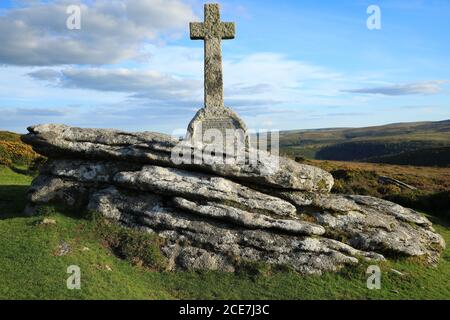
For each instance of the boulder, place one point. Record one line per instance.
(217, 214)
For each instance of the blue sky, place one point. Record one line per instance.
(293, 65)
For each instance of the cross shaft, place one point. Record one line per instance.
(212, 31)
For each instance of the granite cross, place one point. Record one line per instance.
(213, 31)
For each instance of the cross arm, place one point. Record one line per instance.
(197, 30)
(228, 30)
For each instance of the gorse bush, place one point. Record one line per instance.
(13, 152)
(16, 153)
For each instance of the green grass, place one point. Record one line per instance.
(30, 269)
(13, 188)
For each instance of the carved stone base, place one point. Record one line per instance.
(219, 126)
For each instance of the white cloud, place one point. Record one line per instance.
(37, 112)
(174, 76)
(35, 34)
(140, 83)
(427, 87)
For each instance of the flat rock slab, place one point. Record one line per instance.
(60, 141)
(193, 185)
(248, 219)
(170, 181)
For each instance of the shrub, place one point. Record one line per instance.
(253, 269)
(136, 246)
(436, 203)
(16, 152)
(46, 210)
(355, 182)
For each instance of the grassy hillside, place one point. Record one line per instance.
(370, 149)
(438, 156)
(432, 184)
(419, 143)
(31, 267)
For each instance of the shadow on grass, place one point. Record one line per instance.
(27, 172)
(12, 201)
(436, 204)
(444, 222)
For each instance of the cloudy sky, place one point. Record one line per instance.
(293, 65)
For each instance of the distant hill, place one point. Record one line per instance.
(9, 136)
(422, 157)
(416, 143)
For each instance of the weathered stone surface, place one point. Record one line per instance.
(213, 121)
(88, 171)
(62, 249)
(218, 217)
(222, 245)
(364, 233)
(219, 126)
(170, 181)
(212, 31)
(200, 186)
(372, 224)
(50, 189)
(249, 219)
(390, 208)
(60, 141)
(47, 222)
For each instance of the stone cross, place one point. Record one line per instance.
(213, 31)
(215, 123)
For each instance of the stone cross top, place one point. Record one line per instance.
(213, 31)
